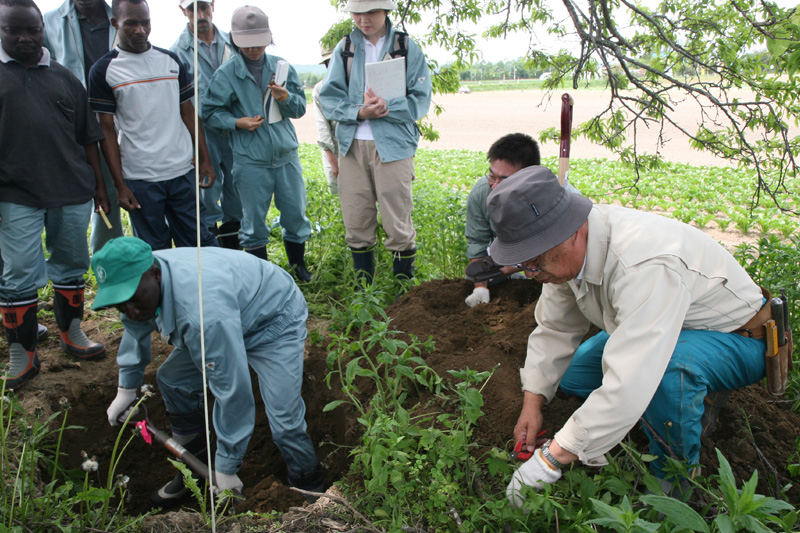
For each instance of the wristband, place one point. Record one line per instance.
(545, 449)
(284, 97)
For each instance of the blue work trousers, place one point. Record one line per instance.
(703, 362)
(168, 213)
(276, 355)
(221, 201)
(256, 184)
(25, 269)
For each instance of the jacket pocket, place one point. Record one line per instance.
(66, 109)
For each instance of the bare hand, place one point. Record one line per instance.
(528, 426)
(508, 270)
(333, 161)
(374, 106)
(249, 123)
(278, 92)
(101, 201)
(127, 200)
(207, 175)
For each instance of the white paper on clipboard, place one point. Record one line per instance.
(281, 73)
(387, 79)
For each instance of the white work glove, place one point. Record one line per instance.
(534, 473)
(121, 405)
(479, 296)
(227, 482)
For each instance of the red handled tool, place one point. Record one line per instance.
(520, 455)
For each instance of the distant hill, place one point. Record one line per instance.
(313, 69)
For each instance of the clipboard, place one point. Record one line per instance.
(387, 79)
(271, 109)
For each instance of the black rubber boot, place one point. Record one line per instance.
(295, 253)
(403, 263)
(313, 481)
(364, 264)
(260, 252)
(68, 308)
(175, 491)
(19, 322)
(228, 236)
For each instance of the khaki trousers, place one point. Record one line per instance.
(364, 181)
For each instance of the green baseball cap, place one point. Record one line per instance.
(118, 267)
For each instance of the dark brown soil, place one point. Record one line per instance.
(478, 338)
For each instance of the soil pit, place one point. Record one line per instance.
(478, 338)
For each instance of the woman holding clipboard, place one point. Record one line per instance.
(377, 135)
(253, 85)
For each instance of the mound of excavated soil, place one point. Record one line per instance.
(478, 338)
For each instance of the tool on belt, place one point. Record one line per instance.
(485, 269)
(772, 324)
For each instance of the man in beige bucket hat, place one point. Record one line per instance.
(669, 301)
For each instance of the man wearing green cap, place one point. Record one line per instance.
(679, 319)
(254, 316)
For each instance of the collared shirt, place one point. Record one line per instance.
(371, 51)
(44, 61)
(95, 41)
(646, 278)
(45, 122)
(211, 51)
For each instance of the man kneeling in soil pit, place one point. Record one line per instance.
(680, 320)
(254, 316)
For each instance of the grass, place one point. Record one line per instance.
(423, 454)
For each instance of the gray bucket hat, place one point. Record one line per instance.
(532, 213)
(362, 6)
(250, 27)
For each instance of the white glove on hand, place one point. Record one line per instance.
(479, 296)
(227, 482)
(120, 407)
(534, 473)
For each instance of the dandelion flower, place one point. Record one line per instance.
(90, 465)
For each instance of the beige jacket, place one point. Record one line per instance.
(645, 278)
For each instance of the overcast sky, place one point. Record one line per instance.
(297, 26)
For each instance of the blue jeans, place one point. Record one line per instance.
(275, 353)
(25, 269)
(703, 362)
(256, 184)
(168, 213)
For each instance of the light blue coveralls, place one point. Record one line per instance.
(229, 207)
(265, 161)
(62, 36)
(254, 316)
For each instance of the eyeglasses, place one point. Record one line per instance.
(534, 269)
(492, 178)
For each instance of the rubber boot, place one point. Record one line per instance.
(68, 308)
(228, 236)
(295, 253)
(364, 264)
(313, 481)
(41, 332)
(19, 322)
(260, 252)
(173, 492)
(403, 263)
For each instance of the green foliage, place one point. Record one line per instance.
(71, 500)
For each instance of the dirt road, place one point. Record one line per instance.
(474, 121)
